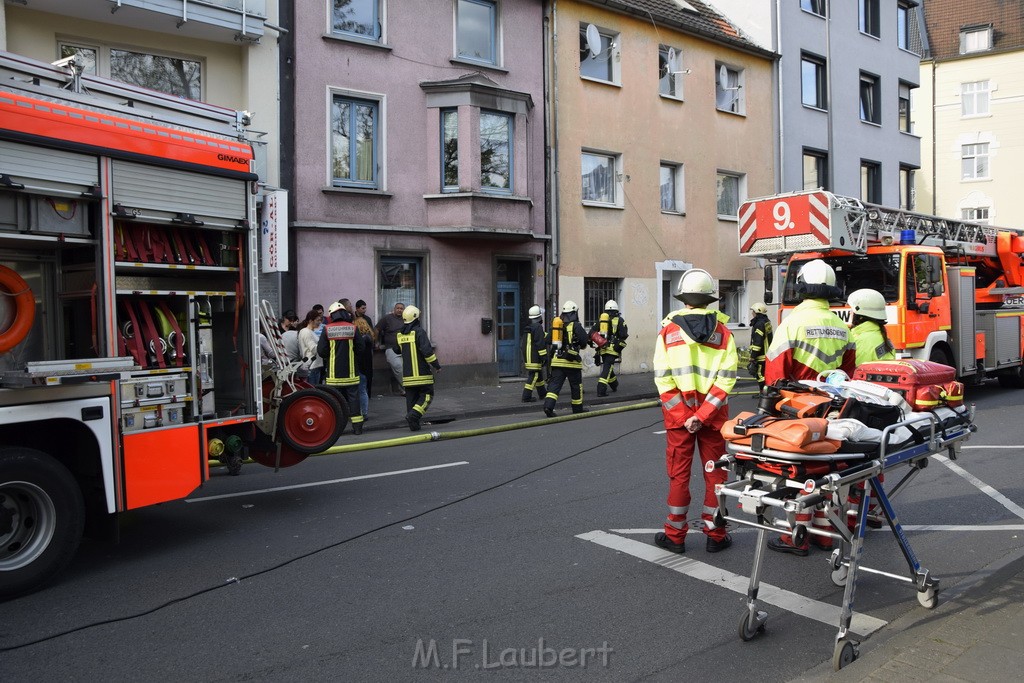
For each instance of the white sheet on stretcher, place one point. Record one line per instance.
(845, 429)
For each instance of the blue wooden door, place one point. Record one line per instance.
(507, 328)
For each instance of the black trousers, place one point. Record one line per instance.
(417, 400)
(608, 378)
(555, 382)
(534, 380)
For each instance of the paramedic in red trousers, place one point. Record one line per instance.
(340, 347)
(535, 356)
(695, 363)
(419, 365)
(566, 362)
(808, 343)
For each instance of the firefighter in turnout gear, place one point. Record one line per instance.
(535, 356)
(419, 365)
(695, 364)
(808, 343)
(565, 340)
(868, 333)
(760, 340)
(611, 329)
(340, 347)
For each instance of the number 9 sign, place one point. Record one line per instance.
(783, 217)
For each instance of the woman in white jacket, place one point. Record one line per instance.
(307, 346)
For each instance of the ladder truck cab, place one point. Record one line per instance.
(129, 321)
(953, 289)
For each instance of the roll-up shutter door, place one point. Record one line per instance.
(43, 170)
(165, 189)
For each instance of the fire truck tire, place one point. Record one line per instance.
(42, 517)
(940, 355)
(310, 421)
(346, 412)
(12, 285)
(1013, 379)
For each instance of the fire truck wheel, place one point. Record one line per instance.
(346, 412)
(309, 421)
(1013, 379)
(41, 519)
(16, 321)
(940, 355)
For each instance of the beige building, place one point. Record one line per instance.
(661, 125)
(969, 110)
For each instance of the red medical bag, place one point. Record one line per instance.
(925, 385)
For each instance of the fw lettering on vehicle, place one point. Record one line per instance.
(470, 654)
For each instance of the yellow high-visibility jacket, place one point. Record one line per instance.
(870, 343)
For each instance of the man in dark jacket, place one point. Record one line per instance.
(535, 356)
(760, 340)
(565, 340)
(340, 348)
(419, 364)
(611, 327)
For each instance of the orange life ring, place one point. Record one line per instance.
(24, 308)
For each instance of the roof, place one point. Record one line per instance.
(944, 20)
(694, 17)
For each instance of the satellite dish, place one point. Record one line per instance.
(593, 41)
(723, 77)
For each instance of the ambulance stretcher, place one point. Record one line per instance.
(774, 500)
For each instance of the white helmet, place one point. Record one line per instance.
(410, 313)
(535, 312)
(696, 288)
(336, 306)
(817, 272)
(611, 305)
(570, 307)
(758, 307)
(868, 303)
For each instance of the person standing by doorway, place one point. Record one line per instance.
(387, 330)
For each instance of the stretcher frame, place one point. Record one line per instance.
(764, 495)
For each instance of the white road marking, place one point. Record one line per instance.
(324, 483)
(985, 488)
(862, 624)
(978, 448)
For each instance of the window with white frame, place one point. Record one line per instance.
(599, 177)
(729, 295)
(974, 98)
(815, 169)
(906, 125)
(975, 39)
(359, 18)
(449, 150)
(496, 152)
(903, 15)
(729, 193)
(870, 105)
(871, 182)
(476, 31)
(672, 193)
(602, 66)
(908, 196)
(729, 89)
(813, 84)
(596, 291)
(974, 161)
(354, 139)
(669, 69)
(868, 21)
(174, 75)
(401, 282)
(813, 6)
(978, 214)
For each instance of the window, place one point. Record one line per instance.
(814, 87)
(728, 89)
(476, 31)
(974, 98)
(815, 169)
(869, 18)
(813, 6)
(668, 72)
(599, 67)
(870, 109)
(906, 125)
(903, 25)
(729, 293)
(596, 291)
(672, 188)
(401, 281)
(449, 150)
(495, 152)
(974, 161)
(354, 142)
(871, 182)
(908, 196)
(975, 39)
(359, 18)
(598, 172)
(977, 214)
(178, 76)
(729, 191)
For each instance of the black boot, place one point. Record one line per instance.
(357, 428)
(414, 422)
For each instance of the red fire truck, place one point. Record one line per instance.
(129, 321)
(953, 288)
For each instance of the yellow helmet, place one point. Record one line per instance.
(410, 313)
(758, 307)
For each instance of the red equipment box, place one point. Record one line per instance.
(924, 384)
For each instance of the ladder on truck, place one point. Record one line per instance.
(781, 225)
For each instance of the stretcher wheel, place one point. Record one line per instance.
(752, 624)
(840, 575)
(799, 535)
(928, 598)
(845, 653)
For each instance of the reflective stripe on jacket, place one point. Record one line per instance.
(809, 341)
(695, 363)
(535, 351)
(573, 339)
(340, 354)
(613, 328)
(417, 354)
(870, 343)
(760, 337)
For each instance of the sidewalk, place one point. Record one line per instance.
(975, 634)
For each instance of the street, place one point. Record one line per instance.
(512, 552)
